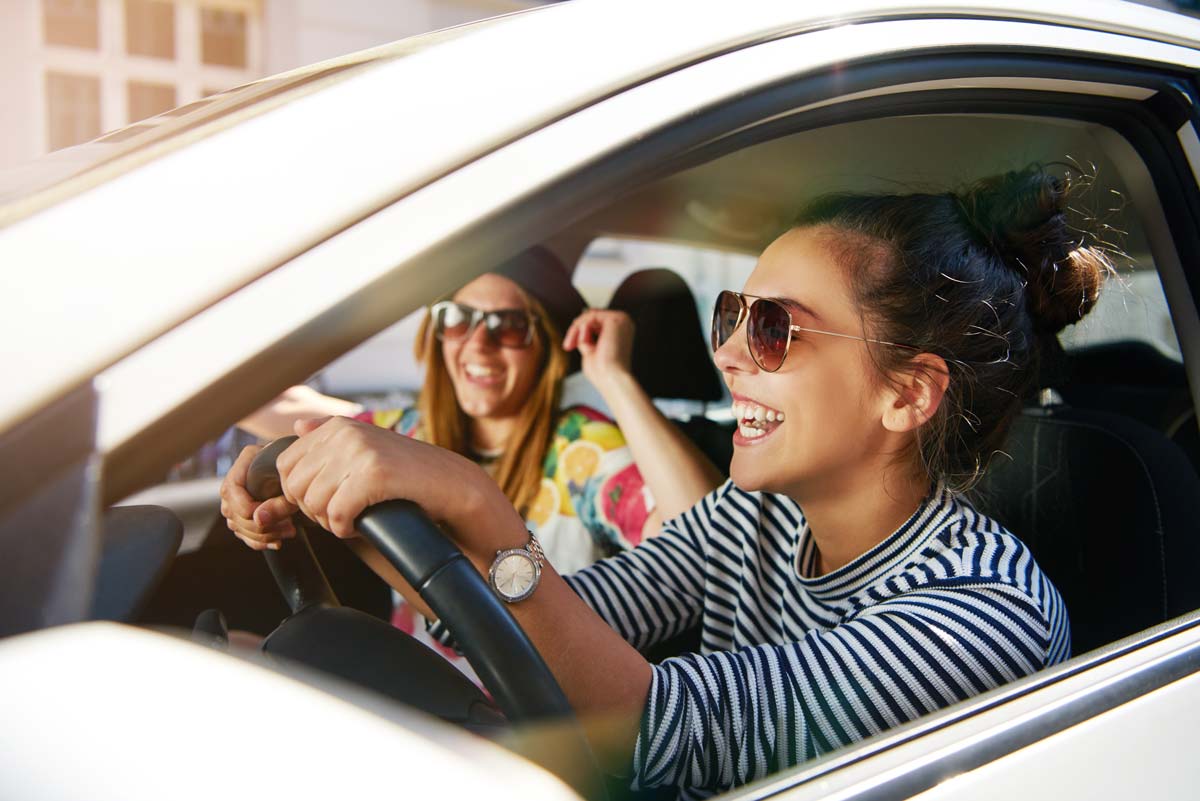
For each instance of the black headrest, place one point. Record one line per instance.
(1109, 507)
(671, 357)
(1128, 362)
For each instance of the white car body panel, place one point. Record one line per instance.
(250, 732)
(1099, 758)
(1041, 769)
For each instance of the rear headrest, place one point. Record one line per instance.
(671, 358)
(1109, 508)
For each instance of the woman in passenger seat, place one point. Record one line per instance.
(843, 584)
(495, 359)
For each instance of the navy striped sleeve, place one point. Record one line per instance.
(654, 591)
(728, 718)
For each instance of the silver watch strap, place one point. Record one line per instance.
(535, 548)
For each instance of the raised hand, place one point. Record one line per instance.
(604, 339)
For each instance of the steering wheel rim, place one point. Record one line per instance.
(506, 661)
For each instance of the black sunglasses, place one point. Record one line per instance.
(508, 328)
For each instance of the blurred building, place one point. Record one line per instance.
(71, 70)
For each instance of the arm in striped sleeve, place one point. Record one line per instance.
(725, 719)
(647, 594)
(656, 590)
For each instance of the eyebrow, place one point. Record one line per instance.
(801, 307)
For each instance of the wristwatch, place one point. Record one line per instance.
(515, 573)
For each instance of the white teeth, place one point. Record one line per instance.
(749, 432)
(478, 371)
(753, 413)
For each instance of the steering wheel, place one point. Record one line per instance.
(508, 664)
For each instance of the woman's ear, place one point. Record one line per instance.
(915, 393)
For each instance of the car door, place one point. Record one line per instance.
(1138, 93)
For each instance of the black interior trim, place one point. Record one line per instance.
(49, 527)
(47, 442)
(138, 545)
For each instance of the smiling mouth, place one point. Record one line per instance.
(755, 421)
(479, 374)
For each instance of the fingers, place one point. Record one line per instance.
(318, 492)
(258, 536)
(236, 504)
(343, 508)
(317, 466)
(234, 497)
(572, 336)
(584, 331)
(306, 426)
(273, 511)
(258, 540)
(259, 526)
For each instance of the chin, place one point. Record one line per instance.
(475, 407)
(748, 477)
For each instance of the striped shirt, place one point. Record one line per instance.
(793, 666)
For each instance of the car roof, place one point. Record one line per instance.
(117, 281)
(28, 187)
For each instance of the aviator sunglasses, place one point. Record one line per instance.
(769, 327)
(508, 328)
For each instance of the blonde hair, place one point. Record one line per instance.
(444, 423)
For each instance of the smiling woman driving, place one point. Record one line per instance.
(842, 583)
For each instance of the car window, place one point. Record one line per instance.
(609, 260)
(1131, 308)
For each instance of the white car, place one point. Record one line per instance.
(171, 277)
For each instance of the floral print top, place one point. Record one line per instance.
(592, 502)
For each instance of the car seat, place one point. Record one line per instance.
(671, 356)
(1135, 379)
(1110, 508)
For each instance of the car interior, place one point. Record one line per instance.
(1099, 475)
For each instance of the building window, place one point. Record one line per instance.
(149, 99)
(74, 23)
(72, 109)
(223, 37)
(150, 28)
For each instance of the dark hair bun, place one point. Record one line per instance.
(1022, 216)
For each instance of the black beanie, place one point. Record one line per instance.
(543, 276)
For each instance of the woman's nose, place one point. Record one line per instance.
(479, 336)
(733, 355)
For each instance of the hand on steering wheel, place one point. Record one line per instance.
(499, 650)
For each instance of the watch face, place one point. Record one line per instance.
(514, 575)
